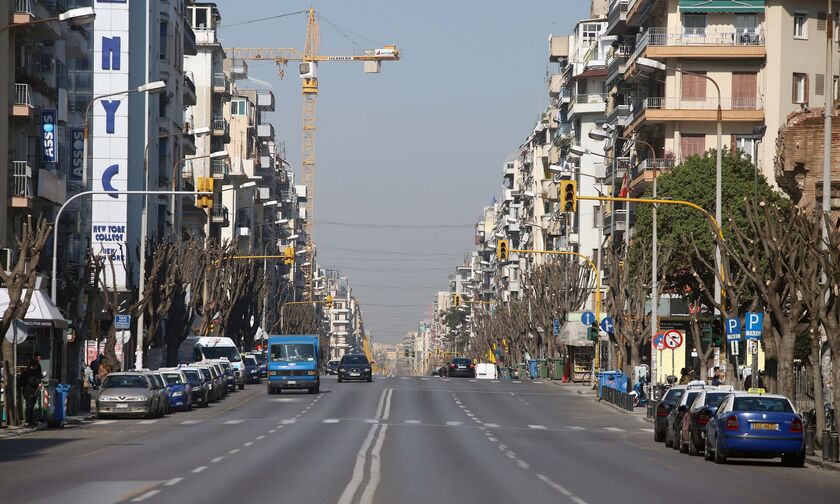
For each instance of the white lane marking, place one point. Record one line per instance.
(454, 424)
(249, 443)
(413, 422)
(235, 450)
(375, 463)
(613, 429)
(503, 447)
(103, 422)
(537, 427)
(523, 464)
(146, 422)
(646, 430)
(173, 482)
(288, 421)
(554, 485)
(272, 431)
(371, 420)
(491, 425)
(382, 409)
(217, 460)
(473, 381)
(576, 427)
(198, 469)
(330, 420)
(141, 498)
(492, 439)
(260, 437)
(386, 411)
(233, 422)
(517, 381)
(190, 422)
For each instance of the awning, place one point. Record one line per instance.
(737, 6)
(573, 333)
(41, 313)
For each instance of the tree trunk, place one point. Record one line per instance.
(12, 416)
(816, 372)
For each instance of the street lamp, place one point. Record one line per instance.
(656, 65)
(73, 17)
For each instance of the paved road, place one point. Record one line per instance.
(407, 440)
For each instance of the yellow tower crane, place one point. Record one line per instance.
(308, 71)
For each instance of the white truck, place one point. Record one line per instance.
(208, 348)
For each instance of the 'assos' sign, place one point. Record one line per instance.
(77, 152)
(49, 143)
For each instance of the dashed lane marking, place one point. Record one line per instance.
(141, 498)
(173, 482)
(492, 425)
(330, 420)
(454, 424)
(260, 437)
(537, 427)
(288, 421)
(217, 460)
(146, 422)
(412, 422)
(576, 427)
(613, 429)
(235, 450)
(249, 443)
(191, 422)
(198, 469)
(233, 422)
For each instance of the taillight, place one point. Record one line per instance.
(452, 366)
(796, 425)
(662, 410)
(702, 419)
(732, 423)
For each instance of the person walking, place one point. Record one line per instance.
(716, 377)
(31, 382)
(685, 377)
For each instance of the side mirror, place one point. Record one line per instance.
(682, 409)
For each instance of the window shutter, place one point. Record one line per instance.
(793, 89)
(819, 85)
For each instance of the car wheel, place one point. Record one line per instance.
(794, 459)
(369, 379)
(669, 442)
(692, 446)
(720, 457)
(708, 452)
(658, 436)
(241, 386)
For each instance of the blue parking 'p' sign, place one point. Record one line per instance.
(753, 324)
(733, 329)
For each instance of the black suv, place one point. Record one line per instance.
(354, 367)
(461, 366)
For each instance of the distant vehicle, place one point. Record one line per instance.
(674, 433)
(756, 426)
(663, 409)
(698, 415)
(332, 367)
(461, 366)
(436, 372)
(206, 348)
(126, 394)
(354, 367)
(199, 386)
(215, 383)
(262, 361)
(485, 371)
(293, 363)
(252, 369)
(179, 389)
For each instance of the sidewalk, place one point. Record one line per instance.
(13, 432)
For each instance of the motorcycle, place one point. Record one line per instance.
(640, 397)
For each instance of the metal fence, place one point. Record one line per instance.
(803, 389)
(617, 397)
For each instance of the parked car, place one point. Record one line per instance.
(332, 367)
(222, 379)
(180, 390)
(673, 432)
(354, 367)
(251, 369)
(756, 426)
(461, 366)
(199, 386)
(126, 394)
(214, 382)
(229, 374)
(663, 409)
(698, 414)
(164, 392)
(262, 361)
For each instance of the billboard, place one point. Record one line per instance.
(49, 138)
(109, 212)
(77, 148)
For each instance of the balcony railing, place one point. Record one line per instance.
(659, 36)
(649, 164)
(220, 80)
(21, 180)
(218, 168)
(219, 214)
(23, 6)
(220, 124)
(707, 103)
(23, 95)
(591, 98)
(618, 112)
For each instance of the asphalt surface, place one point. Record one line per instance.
(398, 439)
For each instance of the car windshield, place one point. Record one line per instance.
(217, 352)
(206, 373)
(250, 361)
(332, 363)
(673, 396)
(260, 357)
(292, 352)
(192, 374)
(173, 378)
(691, 397)
(773, 404)
(354, 359)
(124, 381)
(714, 399)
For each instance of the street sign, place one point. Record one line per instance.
(752, 347)
(16, 331)
(608, 325)
(733, 329)
(673, 339)
(556, 327)
(122, 322)
(587, 318)
(733, 348)
(753, 324)
(659, 342)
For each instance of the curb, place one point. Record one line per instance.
(819, 463)
(14, 432)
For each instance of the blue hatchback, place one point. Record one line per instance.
(179, 390)
(756, 426)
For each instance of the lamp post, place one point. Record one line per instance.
(73, 17)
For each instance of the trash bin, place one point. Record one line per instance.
(58, 405)
(521, 368)
(542, 368)
(533, 368)
(559, 366)
(605, 379)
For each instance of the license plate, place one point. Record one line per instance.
(291, 382)
(354, 374)
(765, 426)
(462, 367)
(122, 405)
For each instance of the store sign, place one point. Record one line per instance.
(49, 143)
(109, 133)
(77, 152)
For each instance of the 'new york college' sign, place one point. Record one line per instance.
(110, 134)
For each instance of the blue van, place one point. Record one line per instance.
(293, 363)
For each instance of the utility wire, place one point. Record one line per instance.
(338, 27)
(392, 252)
(359, 225)
(261, 19)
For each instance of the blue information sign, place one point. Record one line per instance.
(608, 325)
(122, 321)
(556, 327)
(733, 329)
(753, 324)
(587, 318)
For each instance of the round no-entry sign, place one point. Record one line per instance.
(673, 339)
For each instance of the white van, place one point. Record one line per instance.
(485, 371)
(207, 348)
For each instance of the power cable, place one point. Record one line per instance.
(261, 19)
(393, 252)
(338, 27)
(359, 225)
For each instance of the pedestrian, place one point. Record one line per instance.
(685, 378)
(31, 382)
(757, 383)
(716, 377)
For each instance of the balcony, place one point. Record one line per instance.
(659, 109)
(28, 183)
(588, 103)
(219, 215)
(30, 11)
(219, 169)
(221, 83)
(617, 17)
(617, 62)
(220, 126)
(644, 172)
(714, 43)
(190, 41)
(265, 100)
(265, 131)
(555, 84)
(190, 98)
(22, 105)
(618, 218)
(615, 171)
(618, 115)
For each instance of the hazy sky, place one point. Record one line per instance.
(421, 143)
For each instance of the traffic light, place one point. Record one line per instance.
(502, 250)
(457, 300)
(592, 332)
(288, 255)
(568, 195)
(328, 301)
(205, 185)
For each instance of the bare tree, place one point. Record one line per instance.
(20, 285)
